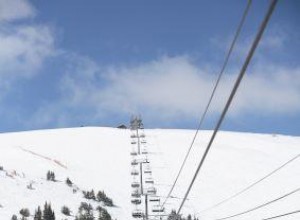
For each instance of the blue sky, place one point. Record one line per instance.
(70, 63)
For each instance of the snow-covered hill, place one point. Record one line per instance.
(99, 159)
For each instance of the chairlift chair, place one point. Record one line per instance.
(154, 199)
(137, 213)
(151, 191)
(133, 153)
(149, 180)
(134, 162)
(134, 172)
(158, 208)
(136, 194)
(144, 152)
(148, 172)
(136, 201)
(135, 185)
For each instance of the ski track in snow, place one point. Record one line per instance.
(44, 157)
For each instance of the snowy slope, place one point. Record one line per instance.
(99, 158)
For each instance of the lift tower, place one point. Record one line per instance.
(143, 183)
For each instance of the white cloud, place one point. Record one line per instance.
(24, 47)
(270, 89)
(15, 9)
(173, 87)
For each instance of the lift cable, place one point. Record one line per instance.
(233, 92)
(282, 215)
(260, 206)
(212, 95)
(251, 185)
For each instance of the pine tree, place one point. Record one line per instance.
(38, 214)
(173, 216)
(92, 195)
(66, 211)
(25, 213)
(69, 182)
(14, 217)
(103, 214)
(102, 197)
(48, 214)
(50, 176)
(85, 212)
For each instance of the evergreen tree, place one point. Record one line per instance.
(85, 212)
(92, 195)
(66, 211)
(38, 214)
(14, 217)
(174, 216)
(48, 213)
(89, 194)
(25, 213)
(103, 214)
(102, 197)
(69, 182)
(50, 176)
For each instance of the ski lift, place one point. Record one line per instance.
(151, 191)
(154, 199)
(133, 153)
(158, 208)
(133, 136)
(148, 172)
(134, 172)
(135, 185)
(136, 201)
(134, 162)
(133, 142)
(135, 194)
(137, 213)
(144, 152)
(149, 180)
(143, 142)
(142, 135)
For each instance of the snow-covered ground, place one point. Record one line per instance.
(99, 159)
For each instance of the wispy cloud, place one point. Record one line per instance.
(24, 47)
(11, 10)
(172, 87)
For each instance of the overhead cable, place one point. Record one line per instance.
(252, 185)
(233, 92)
(260, 206)
(212, 94)
(282, 215)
